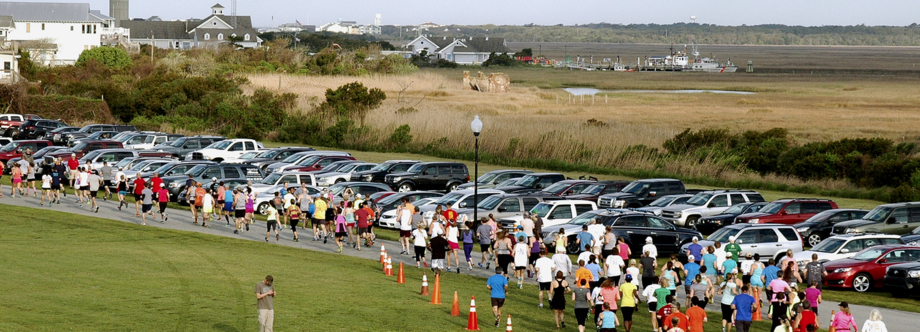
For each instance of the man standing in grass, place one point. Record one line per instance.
(498, 284)
(265, 294)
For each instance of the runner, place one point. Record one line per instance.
(502, 248)
(221, 193)
(271, 224)
(147, 200)
(139, 185)
(405, 227)
(581, 295)
(94, 181)
(467, 235)
(106, 173)
(484, 233)
(207, 207)
(163, 199)
(30, 177)
(544, 271)
(419, 241)
(370, 224)
(46, 187)
(122, 192)
(438, 248)
(341, 232)
(72, 165)
(250, 208)
(652, 300)
(498, 284)
(453, 237)
(228, 204)
(319, 219)
(349, 207)
(84, 186)
(294, 214)
(17, 181)
(278, 202)
(240, 211)
(520, 261)
(607, 320)
(629, 293)
(560, 287)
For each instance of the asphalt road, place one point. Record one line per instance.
(895, 320)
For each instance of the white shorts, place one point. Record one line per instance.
(437, 264)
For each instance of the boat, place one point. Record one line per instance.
(680, 61)
(709, 65)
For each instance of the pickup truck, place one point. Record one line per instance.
(226, 149)
(554, 213)
(707, 203)
(9, 121)
(640, 193)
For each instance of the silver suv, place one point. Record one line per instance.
(707, 203)
(768, 240)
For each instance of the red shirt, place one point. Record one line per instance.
(139, 186)
(665, 311)
(370, 212)
(808, 317)
(73, 164)
(450, 214)
(362, 216)
(199, 196)
(156, 181)
(163, 195)
(683, 322)
(696, 315)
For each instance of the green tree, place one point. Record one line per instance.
(112, 57)
(352, 101)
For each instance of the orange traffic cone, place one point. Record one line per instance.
(508, 329)
(436, 295)
(401, 277)
(389, 270)
(473, 323)
(383, 266)
(424, 285)
(455, 308)
(757, 314)
(383, 254)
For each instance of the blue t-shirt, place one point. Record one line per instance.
(585, 238)
(695, 250)
(709, 261)
(728, 265)
(743, 303)
(498, 283)
(595, 270)
(228, 196)
(769, 273)
(692, 270)
(609, 320)
(519, 235)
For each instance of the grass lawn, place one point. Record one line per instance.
(89, 274)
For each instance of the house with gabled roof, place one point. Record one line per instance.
(472, 50)
(422, 43)
(211, 31)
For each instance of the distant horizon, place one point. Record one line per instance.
(271, 13)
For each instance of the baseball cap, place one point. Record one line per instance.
(696, 238)
(748, 255)
(214, 179)
(731, 238)
(648, 239)
(629, 277)
(520, 227)
(728, 254)
(691, 258)
(162, 185)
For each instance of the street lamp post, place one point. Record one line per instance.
(476, 125)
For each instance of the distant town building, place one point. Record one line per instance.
(211, 31)
(352, 27)
(466, 51)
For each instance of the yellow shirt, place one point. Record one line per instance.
(628, 290)
(319, 212)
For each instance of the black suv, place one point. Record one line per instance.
(632, 226)
(640, 193)
(89, 129)
(429, 176)
(903, 279)
(818, 227)
(180, 147)
(533, 182)
(32, 129)
(205, 172)
(379, 172)
(263, 159)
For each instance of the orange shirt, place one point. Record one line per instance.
(199, 196)
(696, 315)
(583, 273)
(683, 323)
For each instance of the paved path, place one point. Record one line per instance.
(181, 220)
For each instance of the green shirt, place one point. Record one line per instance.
(735, 249)
(661, 294)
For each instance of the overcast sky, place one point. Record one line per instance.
(541, 12)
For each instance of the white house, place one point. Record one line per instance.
(473, 50)
(56, 33)
(422, 43)
(211, 31)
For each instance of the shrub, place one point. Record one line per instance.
(112, 57)
(400, 137)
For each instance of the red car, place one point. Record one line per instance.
(86, 147)
(15, 149)
(787, 211)
(316, 163)
(866, 269)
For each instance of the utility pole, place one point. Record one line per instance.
(153, 42)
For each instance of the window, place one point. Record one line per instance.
(231, 173)
(246, 37)
(401, 168)
(529, 203)
(192, 144)
(288, 179)
(719, 201)
(207, 36)
(326, 162)
(431, 171)
(749, 236)
(94, 28)
(657, 223)
(582, 208)
(754, 198)
(737, 199)
(899, 215)
(767, 236)
(896, 256)
(510, 205)
(220, 36)
(444, 169)
(561, 212)
(854, 246)
(635, 221)
(458, 169)
(214, 23)
(915, 214)
(793, 208)
(250, 146)
(789, 234)
(236, 146)
(213, 172)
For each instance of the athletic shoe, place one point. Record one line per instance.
(426, 264)
(521, 286)
(541, 305)
(296, 240)
(266, 239)
(458, 270)
(247, 227)
(487, 265)
(340, 250)
(354, 245)
(277, 237)
(324, 239)
(480, 265)
(166, 218)
(470, 269)
(97, 209)
(236, 231)
(562, 323)
(496, 322)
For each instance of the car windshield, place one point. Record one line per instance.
(79, 147)
(636, 188)
(557, 188)
(541, 209)
(583, 219)
(222, 145)
(9, 147)
(268, 154)
(139, 166)
(382, 167)
(177, 143)
(43, 151)
(309, 161)
(95, 135)
(338, 189)
(197, 170)
(84, 129)
(527, 181)
(879, 213)
(271, 179)
(249, 155)
(661, 202)
(123, 162)
(723, 234)
(449, 199)
(348, 168)
(124, 138)
(486, 178)
(869, 254)
(736, 209)
(829, 245)
(490, 203)
(390, 199)
(163, 170)
(508, 182)
(772, 208)
(91, 155)
(415, 169)
(594, 189)
(699, 199)
(292, 158)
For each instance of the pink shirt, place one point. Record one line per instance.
(811, 294)
(842, 321)
(611, 295)
(777, 286)
(624, 251)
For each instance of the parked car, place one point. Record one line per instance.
(204, 172)
(89, 129)
(632, 226)
(147, 140)
(458, 199)
(56, 136)
(843, 246)
(175, 167)
(903, 279)
(389, 216)
(507, 205)
(818, 227)
(866, 269)
(183, 146)
(659, 204)
(913, 238)
(376, 197)
(83, 148)
(553, 213)
(429, 176)
(271, 156)
(392, 201)
(768, 240)
(15, 149)
(294, 159)
(5, 141)
(597, 189)
(493, 178)
(99, 135)
(109, 156)
(787, 211)
(37, 128)
(640, 193)
(711, 223)
(294, 179)
(225, 149)
(379, 172)
(707, 203)
(896, 218)
(8, 121)
(567, 187)
(366, 189)
(147, 165)
(533, 182)
(342, 174)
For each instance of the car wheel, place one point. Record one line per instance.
(572, 247)
(862, 282)
(452, 187)
(405, 187)
(263, 208)
(814, 239)
(339, 181)
(691, 222)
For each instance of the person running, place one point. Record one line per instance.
(596, 271)
(874, 323)
(122, 188)
(809, 317)
(560, 287)
(611, 294)
(239, 211)
(349, 213)
(697, 315)
(271, 223)
(647, 265)
(419, 242)
(294, 215)
(84, 186)
(584, 239)
(581, 296)
(341, 231)
(502, 249)
(485, 235)
(363, 218)
(544, 270)
(139, 185)
(498, 285)
(227, 207)
(207, 208)
(466, 235)
(729, 289)
(250, 200)
(670, 306)
(843, 319)
(743, 307)
(17, 181)
(278, 202)
(561, 240)
(162, 196)
(46, 187)
(699, 290)
(613, 265)
(677, 319)
(405, 227)
(30, 178)
(668, 274)
(73, 173)
(265, 294)
(147, 203)
(813, 296)
(734, 249)
(221, 196)
(94, 181)
(629, 293)
(198, 193)
(57, 174)
(609, 242)
(319, 219)
(535, 246)
(607, 320)
(438, 248)
(520, 262)
(563, 263)
(106, 172)
(453, 240)
(757, 284)
(652, 300)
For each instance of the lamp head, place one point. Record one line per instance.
(476, 125)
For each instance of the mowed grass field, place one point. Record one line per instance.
(68, 272)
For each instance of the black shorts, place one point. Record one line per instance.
(362, 230)
(498, 302)
(341, 234)
(746, 279)
(137, 197)
(485, 247)
(146, 208)
(653, 307)
(239, 214)
(403, 233)
(627, 313)
(55, 186)
(727, 312)
(93, 193)
(84, 188)
(318, 222)
(220, 204)
(520, 268)
(107, 183)
(544, 286)
(163, 207)
(271, 224)
(30, 180)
